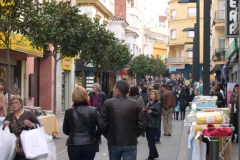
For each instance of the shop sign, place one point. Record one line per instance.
(172, 69)
(229, 18)
(123, 72)
(21, 44)
(67, 63)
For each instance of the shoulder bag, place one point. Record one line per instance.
(88, 129)
(18, 149)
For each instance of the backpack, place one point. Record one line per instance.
(182, 103)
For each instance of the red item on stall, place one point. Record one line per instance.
(217, 132)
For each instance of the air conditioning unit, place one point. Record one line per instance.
(236, 23)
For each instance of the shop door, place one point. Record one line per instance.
(66, 95)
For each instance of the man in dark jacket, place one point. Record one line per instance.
(124, 122)
(97, 98)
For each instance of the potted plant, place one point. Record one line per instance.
(218, 55)
(223, 54)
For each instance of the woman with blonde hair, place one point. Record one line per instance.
(153, 112)
(3, 103)
(79, 124)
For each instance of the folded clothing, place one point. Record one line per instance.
(217, 132)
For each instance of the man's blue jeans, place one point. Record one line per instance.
(158, 134)
(127, 152)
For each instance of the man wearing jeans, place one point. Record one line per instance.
(124, 122)
(170, 103)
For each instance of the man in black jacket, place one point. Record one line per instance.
(124, 122)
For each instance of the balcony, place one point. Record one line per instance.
(219, 54)
(233, 47)
(219, 19)
(171, 60)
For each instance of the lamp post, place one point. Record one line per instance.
(196, 44)
(206, 47)
(195, 65)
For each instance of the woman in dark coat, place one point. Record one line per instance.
(153, 112)
(183, 98)
(219, 97)
(234, 106)
(79, 124)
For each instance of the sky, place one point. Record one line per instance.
(154, 8)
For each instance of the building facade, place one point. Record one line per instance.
(179, 58)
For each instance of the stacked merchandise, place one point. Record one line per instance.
(208, 120)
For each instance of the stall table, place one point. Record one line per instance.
(50, 125)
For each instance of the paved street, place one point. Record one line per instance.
(171, 148)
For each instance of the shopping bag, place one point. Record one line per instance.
(7, 144)
(199, 150)
(51, 149)
(177, 108)
(34, 143)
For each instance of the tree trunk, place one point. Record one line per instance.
(55, 78)
(83, 75)
(8, 73)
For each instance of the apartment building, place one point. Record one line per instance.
(180, 55)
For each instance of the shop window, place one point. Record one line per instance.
(190, 34)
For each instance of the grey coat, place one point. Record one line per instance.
(139, 99)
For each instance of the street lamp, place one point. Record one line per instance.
(196, 44)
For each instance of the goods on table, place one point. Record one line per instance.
(213, 131)
(209, 117)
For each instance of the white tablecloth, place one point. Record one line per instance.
(1, 120)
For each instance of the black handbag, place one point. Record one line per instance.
(88, 129)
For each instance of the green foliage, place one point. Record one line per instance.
(144, 65)
(59, 24)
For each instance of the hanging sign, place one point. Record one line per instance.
(229, 18)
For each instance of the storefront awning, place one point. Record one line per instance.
(22, 44)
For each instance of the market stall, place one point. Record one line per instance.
(209, 123)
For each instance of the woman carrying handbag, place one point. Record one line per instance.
(153, 112)
(18, 121)
(79, 124)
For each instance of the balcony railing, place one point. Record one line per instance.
(174, 60)
(219, 16)
(233, 47)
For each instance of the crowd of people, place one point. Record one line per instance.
(121, 117)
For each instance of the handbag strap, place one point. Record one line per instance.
(15, 126)
(80, 117)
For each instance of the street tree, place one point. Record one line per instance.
(139, 66)
(119, 56)
(58, 24)
(156, 67)
(13, 17)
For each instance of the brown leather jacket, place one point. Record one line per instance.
(169, 99)
(124, 121)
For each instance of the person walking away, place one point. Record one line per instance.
(134, 94)
(144, 95)
(18, 121)
(79, 124)
(219, 97)
(153, 112)
(183, 98)
(3, 103)
(234, 107)
(170, 103)
(97, 98)
(158, 133)
(175, 92)
(124, 122)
